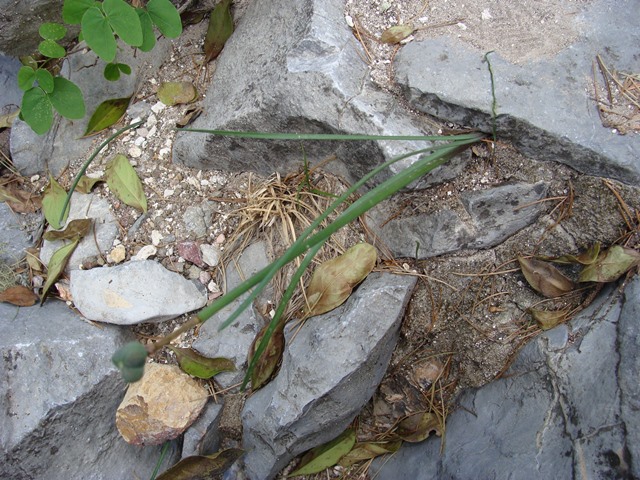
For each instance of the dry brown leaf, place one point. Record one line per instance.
(545, 278)
(19, 295)
(419, 426)
(547, 319)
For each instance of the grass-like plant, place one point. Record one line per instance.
(130, 359)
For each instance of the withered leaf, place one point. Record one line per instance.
(56, 266)
(52, 202)
(20, 201)
(545, 278)
(19, 295)
(175, 93)
(368, 450)
(190, 115)
(611, 265)
(327, 455)
(219, 30)
(33, 259)
(86, 184)
(125, 183)
(396, 33)
(108, 113)
(585, 258)
(76, 228)
(200, 366)
(419, 426)
(271, 357)
(333, 281)
(205, 467)
(548, 319)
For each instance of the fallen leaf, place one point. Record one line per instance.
(327, 455)
(107, 114)
(20, 201)
(86, 184)
(202, 467)
(585, 258)
(333, 281)
(124, 183)
(271, 357)
(175, 93)
(610, 265)
(19, 295)
(200, 366)
(56, 266)
(189, 116)
(368, 450)
(547, 319)
(419, 426)
(545, 278)
(219, 30)
(33, 259)
(6, 120)
(76, 228)
(52, 202)
(396, 33)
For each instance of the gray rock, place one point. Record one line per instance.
(544, 107)
(202, 437)
(13, 238)
(10, 94)
(488, 218)
(105, 227)
(132, 293)
(197, 218)
(59, 392)
(567, 408)
(234, 341)
(293, 66)
(329, 371)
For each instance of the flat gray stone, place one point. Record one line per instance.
(202, 437)
(567, 408)
(293, 66)
(58, 393)
(234, 341)
(197, 218)
(545, 107)
(105, 227)
(13, 238)
(329, 371)
(10, 94)
(134, 292)
(488, 218)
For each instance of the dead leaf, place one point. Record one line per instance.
(219, 30)
(585, 258)
(396, 33)
(333, 281)
(33, 259)
(419, 426)
(56, 266)
(545, 278)
(86, 184)
(107, 114)
(611, 265)
(20, 201)
(368, 450)
(76, 228)
(271, 357)
(6, 121)
(19, 295)
(205, 467)
(189, 116)
(547, 319)
(176, 93)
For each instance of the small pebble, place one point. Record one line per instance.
(135, 152)
(205, 277)
(210, 254)
(145, 252)
(117, 255)
(156, 238)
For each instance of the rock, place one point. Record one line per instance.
(234, 341)
(308, 77)
(210, 254)
(132, 293)
(545, 107)
(197, 219)
(190, 251)
(202, 437)
(145, 253)
(489, 217)
(105, 227)
(58, 393)
(160, 406)
(10, 94)
(13, 238)
(328, 373)
(568, 407)
(117, 254)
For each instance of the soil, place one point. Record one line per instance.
(469, 313)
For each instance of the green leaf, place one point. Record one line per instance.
(98, 34)
(29, 61)
(124, 21)
(205, 467)
(56, 266)
(545, 278)
(36, 110)
(333, 281)
(26, 77)
(76, 228)
(368, 450)
(67, 99)
(130, 360)
(107, 114)
(52, 31)
(53, 200)
(174, 93)
(51, 49)
(124, 183)
(327, 455)
(124, 68)
(611, 265)
(112, 71)
(165, 16)
(73, 10)
(86, 184)
(200, 366)
(148, 35)
(45, 80)
(219, 30)
(396, 34)
(270, 358)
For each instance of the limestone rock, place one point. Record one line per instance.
(13, 239)
(134, 292)
(58, 393)
(328, 373)
(202, 437)
(104, 225)
(160, 406)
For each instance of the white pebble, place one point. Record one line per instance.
(135, 152)
(168, 192)
(145, 252)
(156, 238)
(158, 107)
(210, 254)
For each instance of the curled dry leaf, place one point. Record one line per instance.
(86, 184)
(268, 362)
(200, 366)
(611, 265)
(368, 450)
(56, 265)
(203, 467)
(419, 426)
(20, 201)
(333, 281)
(396, 33)
(76, 228)
(327, 455)
(547, 319)
(585, 258)
(545, 278)
(19, 295)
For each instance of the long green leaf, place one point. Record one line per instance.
(199, 366)
(56, 266)
(107, 114)
(219, 30)
(124, 182)
(327, 455)
(204, 467)
(53, 204)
